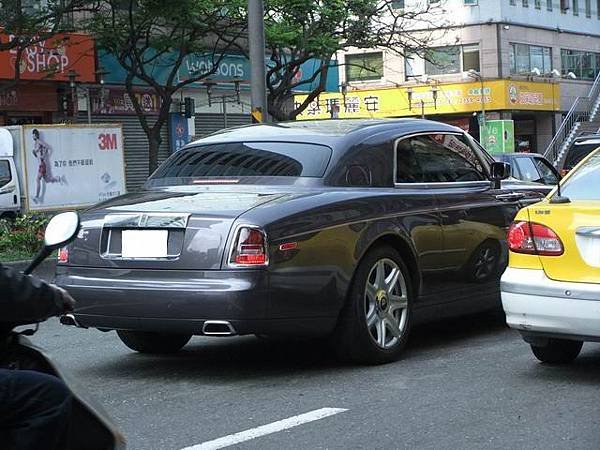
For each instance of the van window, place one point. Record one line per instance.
(5, 175)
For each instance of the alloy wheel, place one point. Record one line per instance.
(386, 303)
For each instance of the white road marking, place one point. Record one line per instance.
(264, 430)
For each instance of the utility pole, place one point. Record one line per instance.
(256, 40)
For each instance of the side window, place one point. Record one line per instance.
(5, 175)
(528, 170)
(437, 158)
(546, 171)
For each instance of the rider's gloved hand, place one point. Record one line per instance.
(64, 301)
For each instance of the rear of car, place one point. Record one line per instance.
(579, 149)
(551, 289)
(179, 257)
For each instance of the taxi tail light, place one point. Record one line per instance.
(250, 248)
(63, 255)
(534, 239)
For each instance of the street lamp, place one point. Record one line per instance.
(477, 76)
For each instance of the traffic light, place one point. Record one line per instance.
(189, 107)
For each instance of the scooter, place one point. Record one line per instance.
(91, 428)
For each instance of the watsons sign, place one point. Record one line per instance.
(227, 68)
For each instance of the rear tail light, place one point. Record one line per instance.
(534, 238)
(63, 255)
(250, 248)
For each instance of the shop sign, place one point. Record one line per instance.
(436, 99)
(29, 99)
(498, 136)
(51, 58)
(115, 101)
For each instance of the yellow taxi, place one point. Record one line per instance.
(551, 288)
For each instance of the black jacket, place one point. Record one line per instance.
(26, 299)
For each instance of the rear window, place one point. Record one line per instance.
(584, 184)
(245, 159)
(579, 151)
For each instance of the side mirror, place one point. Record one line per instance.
(61, 230)
(499, 171)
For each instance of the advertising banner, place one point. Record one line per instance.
(179, 134)
(51, 59)
(498, 136)
(115, 101)
(72, 166)
(29, 98)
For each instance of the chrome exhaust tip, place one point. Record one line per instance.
(218, 328)
(69, 319)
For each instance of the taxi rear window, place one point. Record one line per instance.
(584, 183)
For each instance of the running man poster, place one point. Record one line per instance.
(72, 166)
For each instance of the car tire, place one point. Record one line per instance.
(557, 351)
(153, 343)
(373, 326)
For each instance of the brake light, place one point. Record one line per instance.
(63, 255)
(534, 238)
(250, 248)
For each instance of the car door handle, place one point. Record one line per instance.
(510, 197)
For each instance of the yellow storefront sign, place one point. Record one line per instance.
(435, 99)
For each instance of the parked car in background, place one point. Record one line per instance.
(551, 289)
(351, 229)
(579, 149)
(530, 167)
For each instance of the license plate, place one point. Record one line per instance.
(144, 243)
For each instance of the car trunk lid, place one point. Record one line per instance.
(578, 226)
(162, 230)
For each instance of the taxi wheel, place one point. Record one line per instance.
(157, 343)
(557, 351)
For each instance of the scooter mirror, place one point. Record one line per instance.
(61, 229)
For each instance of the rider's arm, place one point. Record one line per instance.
(25, 298)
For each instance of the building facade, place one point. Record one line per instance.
(523, 60)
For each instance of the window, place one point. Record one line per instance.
(585, 65)
(443, 60)
(588, 8)
(5, 175)
(598, 8)
(525, 3)
(578, 151)
(437, 158)
(575, 7)
(585, 184)
(524, 58)
(470, 2)
(364, 66)
(564, 6)
(547, 172)
(549, 5)
(538, 4)
(513, 2)
(243, 159)
(536, 170)
(398, 4)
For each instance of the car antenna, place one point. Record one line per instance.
(558, 198)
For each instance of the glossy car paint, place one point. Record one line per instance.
(439, 230)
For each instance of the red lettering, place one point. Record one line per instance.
(107, 141)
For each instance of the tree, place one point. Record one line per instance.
(153, 39)
(23, 25)
(297, 31)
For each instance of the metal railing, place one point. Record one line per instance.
(580, 111)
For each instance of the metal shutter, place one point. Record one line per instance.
(209, 123)
(136, 146)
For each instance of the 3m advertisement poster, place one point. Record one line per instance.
(71, 166)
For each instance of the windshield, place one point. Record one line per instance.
(584, 184)
(578, 152)
(244, 159)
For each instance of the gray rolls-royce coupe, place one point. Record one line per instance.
(352, 229)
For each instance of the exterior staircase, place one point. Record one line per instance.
(582, 118)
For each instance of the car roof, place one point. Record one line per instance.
(332, 132)
(588, 139)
